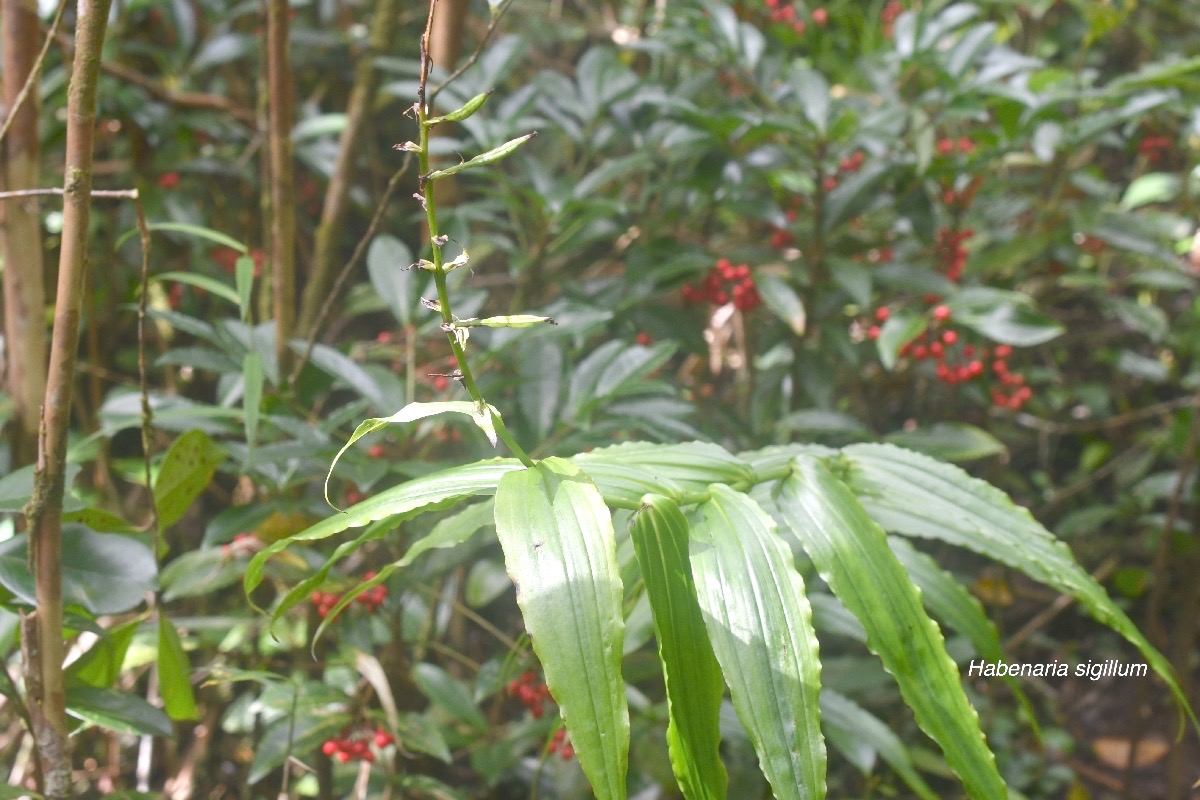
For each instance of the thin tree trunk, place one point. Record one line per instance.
(333, 214)
(48, 710)
(283, 197)
(24, 288)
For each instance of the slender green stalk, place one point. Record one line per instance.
(429, 201)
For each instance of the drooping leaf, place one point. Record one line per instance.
(560, 550)
(426, 493)
(851, 554)
(760, 626)
(410, 413)
(174, 673)
(912, 494)
(690, 465)
(690, 670)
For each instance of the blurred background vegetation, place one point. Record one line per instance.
(967, 228)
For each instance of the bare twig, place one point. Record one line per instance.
(1108, 423)
(487, 35)
(54, 191)
(35, 72)
(283, 197)
(359, 251)
(45, 508)
(187, 100)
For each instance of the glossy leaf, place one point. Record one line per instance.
(692, 465)
(690, 670)
(760, 626)
(560, 551)
(851, 554)
(122, 712)
(105, 573)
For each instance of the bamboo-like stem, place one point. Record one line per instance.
(428, 200)
(283, 198)
(337, 195)
(45, 508)
(21, 245)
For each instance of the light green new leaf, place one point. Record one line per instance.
(411, 413)
(690, 670)
(760, 626)
(560, 551)
(913, 494)
(427, 493)
(851, 554)
(186, 471)
(174, 674)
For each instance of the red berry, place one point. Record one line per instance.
(941, 313)
(441, 383)
(829, 184)
(383, 337)
(1003, 351)
(937, 350)
(329, 748)
(375, 451)
(920, 352)
(873, 332)
(999, 366)
(882, 313)
(950, 337)
(820, 16)
(343, 756)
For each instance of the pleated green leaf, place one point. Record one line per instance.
(691, 465)
(912, 494)
(760, 626)
(427, 493)
(560, 551)
(690, 670)
(851, 554)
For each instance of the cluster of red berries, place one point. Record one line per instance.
(786, 13)
(724, 282)
(1155, 148)
(532, 693)
(356, 745)
(951, 254)
(948, 147)
(371, 599)
(960, 362)
(562, 745)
